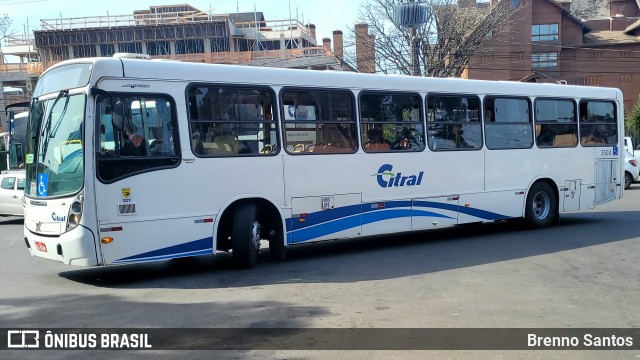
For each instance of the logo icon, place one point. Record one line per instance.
(386, 178)
(126, 192)
(23, 339)
(132, 86)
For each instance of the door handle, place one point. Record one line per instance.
(15, 196)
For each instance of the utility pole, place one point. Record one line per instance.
(411, 15)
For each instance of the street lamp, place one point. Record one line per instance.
(411, 15)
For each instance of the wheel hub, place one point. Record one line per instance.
(255, 234)
(541, 205)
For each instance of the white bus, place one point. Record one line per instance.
(136, 160)
(12, 142)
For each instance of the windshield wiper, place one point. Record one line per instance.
(59, 122)
(46, 129)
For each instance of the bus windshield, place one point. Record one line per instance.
(54, 160)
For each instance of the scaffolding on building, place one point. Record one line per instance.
(186, 34)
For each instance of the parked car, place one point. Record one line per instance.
(630, 169)
(11, 193)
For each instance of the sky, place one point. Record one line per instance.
(327, 15)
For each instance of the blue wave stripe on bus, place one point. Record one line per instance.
(205, 244)
(338, 225)
(313, 220)
(165, 257)
(319, 217)
(483, 214)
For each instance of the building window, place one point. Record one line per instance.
(130, 47)
(626, 79)
(626, 54)
(82, 51)
(486, 59)
(158, 48)
(391, 122)
(219, 44)
(58, 53)
(544, 32)
(595, 55)
(517, 57)
(594, 80)
(556, 123)
(190, 46)
(543, 60)
(107, 50)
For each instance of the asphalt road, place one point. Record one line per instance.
(583, 273)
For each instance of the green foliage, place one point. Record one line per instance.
(632, 121)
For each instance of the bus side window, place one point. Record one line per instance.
(598, 125)
(232, 121)
(136, 134)
(319, 121)
(556, 123)
(454, 124)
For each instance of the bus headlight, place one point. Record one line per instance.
(75, 213)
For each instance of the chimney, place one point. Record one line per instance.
(337, 44)
(365, 49)
(312, 30)
(565, 4)
(326, 44)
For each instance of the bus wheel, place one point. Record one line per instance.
(541, 206)
(628, 179)
(277, 249)
(245, 236)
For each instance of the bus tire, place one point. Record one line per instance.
(628, 179)
(541, 206)
(277, 249)
(245, 236)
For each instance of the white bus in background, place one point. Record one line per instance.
(233, 154)
(13, 141)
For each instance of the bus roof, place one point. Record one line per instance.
(202, 72)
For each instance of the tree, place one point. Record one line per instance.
(453, 31)
(632, 122)
(5, 26)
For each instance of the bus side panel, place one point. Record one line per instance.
(435, 212)
(587, 196)
(386, 217)
(518, 169)
(490, 206)
(326, 217)
(170, 213)
(156, 239)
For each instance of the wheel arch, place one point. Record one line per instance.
(556, 192)
(554, 187)
(268, 211)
